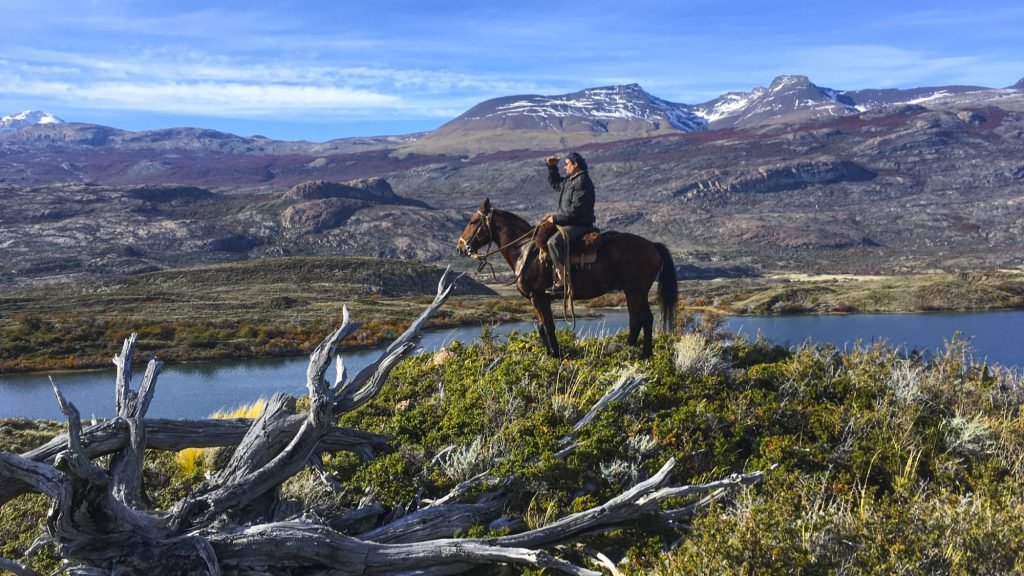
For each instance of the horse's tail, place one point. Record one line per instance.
(668, 289)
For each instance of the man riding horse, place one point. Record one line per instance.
(622, 261)
(575, 213)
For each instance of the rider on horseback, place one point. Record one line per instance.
(575, 210)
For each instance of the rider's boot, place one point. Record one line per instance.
(558, 288)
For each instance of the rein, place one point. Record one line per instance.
(486, 221)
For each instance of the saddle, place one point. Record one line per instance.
(582, 250)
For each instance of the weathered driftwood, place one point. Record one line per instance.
(111, 436)
(618, 391)
(234, 522)
(16, 568)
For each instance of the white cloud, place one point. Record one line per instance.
(232, 100)
(197, 83)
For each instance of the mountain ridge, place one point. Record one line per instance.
(624, 110)
(813, 184)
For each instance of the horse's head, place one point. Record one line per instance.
(477, 232)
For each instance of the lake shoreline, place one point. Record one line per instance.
(586, 312)
(295, 330)
(986, 337)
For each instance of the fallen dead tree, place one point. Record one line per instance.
(236, 522)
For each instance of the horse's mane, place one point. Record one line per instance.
(514, 220)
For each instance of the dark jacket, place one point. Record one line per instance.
(576, 199)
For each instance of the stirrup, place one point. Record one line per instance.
(555, 290)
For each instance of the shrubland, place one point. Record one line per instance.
(846, 294)
(262, 308)
(876, 461)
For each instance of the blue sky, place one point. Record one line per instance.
(304, 70)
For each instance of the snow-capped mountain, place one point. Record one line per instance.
(787, 98)
(27, 118)
(796, 98)
(606, 114)
(610, 109)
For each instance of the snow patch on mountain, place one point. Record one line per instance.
(27, 118)
(929, 97)
(727, 105)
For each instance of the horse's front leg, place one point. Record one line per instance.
(634, 305)
(545, 323)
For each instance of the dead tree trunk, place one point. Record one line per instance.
(102, 523)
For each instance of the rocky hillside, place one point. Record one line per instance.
(908, 188)
(77, 231)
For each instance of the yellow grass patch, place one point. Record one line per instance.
(244, 411)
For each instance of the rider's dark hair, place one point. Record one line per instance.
(577, 160)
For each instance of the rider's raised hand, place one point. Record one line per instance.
(552, 160)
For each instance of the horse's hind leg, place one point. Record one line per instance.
(640, 318)
(648, 335)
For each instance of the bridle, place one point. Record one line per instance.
(484, 223)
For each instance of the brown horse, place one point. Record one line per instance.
(624, 262)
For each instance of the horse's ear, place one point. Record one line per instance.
(486, 206)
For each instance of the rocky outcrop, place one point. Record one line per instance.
(798, 175)
(368, 189)
(315, 216)
(779, 178)
(972, 117)
(319, 205)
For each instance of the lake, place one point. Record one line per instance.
(194, 390)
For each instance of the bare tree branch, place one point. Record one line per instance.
(111, 436)
(122, 382)
(126, 467)
(368, 381)
(16, 569)
(40, 477)
(622, 387)
(300, 544)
